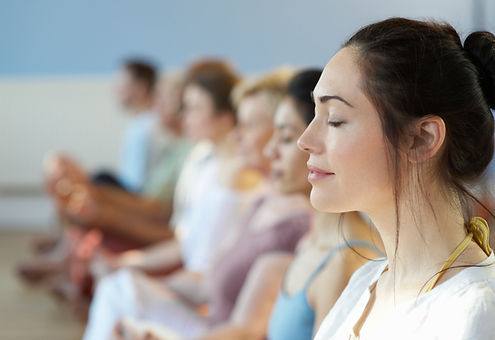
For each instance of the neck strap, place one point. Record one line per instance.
(479, 232)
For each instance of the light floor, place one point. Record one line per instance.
(28, 312)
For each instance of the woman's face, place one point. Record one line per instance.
(200, 119)
(255, 127)
(288, 163)
(348, 156)
(167, 102)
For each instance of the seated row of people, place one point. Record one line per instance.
(241, 253)
(240, 285)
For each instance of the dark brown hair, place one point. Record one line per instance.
(300, 90)
(142, 71)
(217, 78)
(412, 69)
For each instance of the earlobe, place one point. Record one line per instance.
(427, 138)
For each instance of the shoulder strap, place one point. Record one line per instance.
(333, 251)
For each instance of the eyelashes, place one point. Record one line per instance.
(335, 123)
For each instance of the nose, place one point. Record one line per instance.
(270, 150)
(308, 140)
(301, 143)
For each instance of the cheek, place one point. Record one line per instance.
(255, 141)
(297, 170)
(362, 177)
(364, 165)
(260, 140)
(205, 123)
(197, 125)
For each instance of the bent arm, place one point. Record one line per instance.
(133, 203)
(127, 224)
(160, 257)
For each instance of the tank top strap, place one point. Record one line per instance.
(335, 250)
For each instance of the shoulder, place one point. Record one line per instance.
(472, 290)
(470, 309)
(345, 262)
(360, 281)
(461, 308)
(350, 297)
(293, 226)
(272, 262)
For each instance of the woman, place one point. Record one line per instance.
(402, 125)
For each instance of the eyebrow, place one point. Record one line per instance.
(285, 126)
(326, 98)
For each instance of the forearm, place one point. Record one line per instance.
(190, 286)
(163, 256)
(134, 203)
(133, 226)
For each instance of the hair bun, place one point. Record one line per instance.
(480, 47)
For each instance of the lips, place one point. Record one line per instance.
(317, 174)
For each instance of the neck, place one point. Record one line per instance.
(223, 143)
(331, 230)
(142, 105)
(174, 127)
(430, 229)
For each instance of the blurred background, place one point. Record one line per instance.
(57, 66)
(58, 59)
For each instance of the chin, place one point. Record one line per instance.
(325, 203)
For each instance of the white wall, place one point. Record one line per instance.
(73, 114)
(77, 113)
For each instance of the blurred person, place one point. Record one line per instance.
(257, 100)
(134, 90)
(486, 191)
(142, 218)
(116, 219)
(135, 87)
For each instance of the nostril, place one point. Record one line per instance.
(302, 146)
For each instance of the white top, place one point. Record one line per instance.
(203, 209)
(461, 308)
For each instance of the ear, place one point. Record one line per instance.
(428, 135)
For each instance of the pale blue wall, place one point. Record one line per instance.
(46, 37)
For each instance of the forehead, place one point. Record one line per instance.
(254, 107)
(123, 75)
(195, 92)
(341, 76)
(288, 116)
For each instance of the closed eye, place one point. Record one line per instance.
(335, 124)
